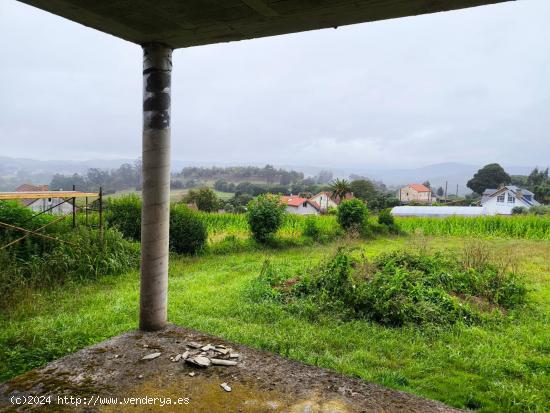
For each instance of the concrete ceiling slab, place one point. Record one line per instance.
(186, 23)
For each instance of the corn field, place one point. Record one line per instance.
(526, 227)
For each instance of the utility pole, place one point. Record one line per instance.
(446, 182)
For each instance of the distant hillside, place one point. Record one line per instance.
(17, 170)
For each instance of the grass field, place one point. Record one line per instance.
(494, 367)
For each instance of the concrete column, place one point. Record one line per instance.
(155, 213)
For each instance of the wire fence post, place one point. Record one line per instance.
(86, 211)
(74, 208)
(101, 213)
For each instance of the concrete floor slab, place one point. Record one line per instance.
(260, 382)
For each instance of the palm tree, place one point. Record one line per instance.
(340, 188)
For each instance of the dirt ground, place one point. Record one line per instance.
(259, 382)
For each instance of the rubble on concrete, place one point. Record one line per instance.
(221, 362)
(151, 356)
(199, 361)
(226, 387)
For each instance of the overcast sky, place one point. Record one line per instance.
(469, 86)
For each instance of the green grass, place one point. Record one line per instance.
(495, 367)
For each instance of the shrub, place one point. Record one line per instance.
(311, 229)
(205, 199)
(519, 210)
(265, 216)
(394, 289)
(540, 210)
(124, 214)
(188, 234)
(386, 218)
(352, 214)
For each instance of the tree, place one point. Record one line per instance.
(340, 188)
(427, 184)
(440, 191)
(324, 177)
(490, 176)
(205, 199)
(363, 189)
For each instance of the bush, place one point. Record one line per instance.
(394, 289)
(311, 229)
(386, 218)
(519, 210)
(188, 234)
(124, 214)
(540, 210)
(352, 214)
(265, 216)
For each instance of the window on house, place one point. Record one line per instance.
(511, 199)
(304, 204)
(527, 197)
(500, 198)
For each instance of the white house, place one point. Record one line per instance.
(326, 201)
(493, 202)
(501, 201)
(300, 206)
(40, 205)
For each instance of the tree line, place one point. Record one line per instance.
(124, 177)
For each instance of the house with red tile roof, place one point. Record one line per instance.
(300, 206)
(416, 193)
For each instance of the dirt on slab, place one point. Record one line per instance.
(194, 372)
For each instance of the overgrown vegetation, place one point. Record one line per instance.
(494, 366)
(396, 288)
(87, 257)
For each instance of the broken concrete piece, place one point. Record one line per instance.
(151, 356)
(194, 344)
(220, 362)
(199, 361)
(208, 347)
(185, 354)
(192, 374)
(176, 358)
(222, 350)
(234, 355)
(226, 387)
